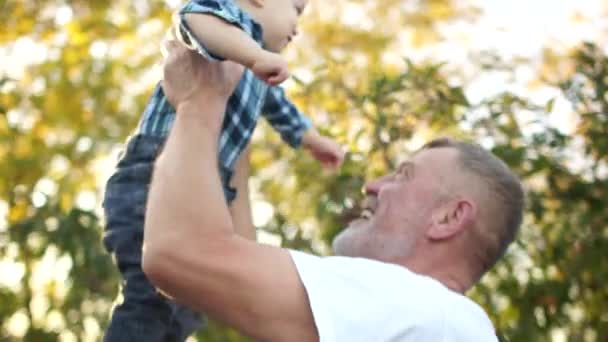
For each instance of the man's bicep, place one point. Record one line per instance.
(240, 208)
(256, 289)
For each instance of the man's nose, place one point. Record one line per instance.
(373, 187)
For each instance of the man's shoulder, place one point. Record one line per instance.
(367, 269)
(360, 299)
(466, 320)
(388, 301)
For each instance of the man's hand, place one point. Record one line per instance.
(190, 78)
(328, 152)
(213, 270)
(270, 68)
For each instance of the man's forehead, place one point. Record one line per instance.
(431, 157)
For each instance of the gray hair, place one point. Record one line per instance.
(504, 208)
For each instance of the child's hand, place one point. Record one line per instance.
(328, 152)
(271, 68)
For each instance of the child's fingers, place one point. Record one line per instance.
(338, 154)
(331, 162)
(341, 157)
(277, 78)
(338, 162)
(273, 81)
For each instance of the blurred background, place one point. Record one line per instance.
(526, 79)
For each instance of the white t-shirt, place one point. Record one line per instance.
(356, 299)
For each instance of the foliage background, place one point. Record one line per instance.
(381, 76)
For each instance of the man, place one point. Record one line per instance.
(429, 231)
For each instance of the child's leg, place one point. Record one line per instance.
(185, 322)
(144, 314)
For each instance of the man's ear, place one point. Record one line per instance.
(257, 3)
(451, 219)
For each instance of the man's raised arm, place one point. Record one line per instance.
(191, 250)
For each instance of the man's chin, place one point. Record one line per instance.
(344, 242)
(337, 249)
(357, 224)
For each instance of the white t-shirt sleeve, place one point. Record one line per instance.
(356, 299)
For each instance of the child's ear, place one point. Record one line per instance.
(257, 3)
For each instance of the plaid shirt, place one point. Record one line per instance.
(250, 98)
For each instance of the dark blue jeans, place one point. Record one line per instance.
(144, 314)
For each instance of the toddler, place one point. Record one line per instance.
(251, 33)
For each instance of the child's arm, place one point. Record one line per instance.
(296, 129)
(284, 117)
(224, 39)
(224, 35)
(324, 149)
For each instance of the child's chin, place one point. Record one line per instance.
(272, 49)
(277, 48)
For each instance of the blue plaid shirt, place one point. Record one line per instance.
(250, 98)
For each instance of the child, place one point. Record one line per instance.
(218, 30)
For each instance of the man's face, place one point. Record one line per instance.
(279, 19)
(399, 208)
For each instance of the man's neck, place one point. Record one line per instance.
(452, 274)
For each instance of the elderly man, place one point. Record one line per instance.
(430, 230)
